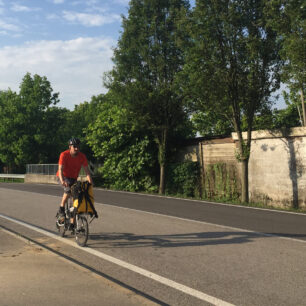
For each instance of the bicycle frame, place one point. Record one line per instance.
(80, 230)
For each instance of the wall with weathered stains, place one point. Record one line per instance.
(277, 165)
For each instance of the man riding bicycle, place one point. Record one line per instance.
(69, 166)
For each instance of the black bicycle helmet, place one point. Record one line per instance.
(74, 141)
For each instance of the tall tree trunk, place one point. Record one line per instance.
(162, 180)
(303, 107)
(243, 157)
(245, 180)
(300, 116)
(162, 145)
(202, 172)
(244, 160)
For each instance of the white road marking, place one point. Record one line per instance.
(204, 201)
(187, 220)
(165, 281)
(207, 223)
(182, 199)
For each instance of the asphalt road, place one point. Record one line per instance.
(265, 221)
(172, 251)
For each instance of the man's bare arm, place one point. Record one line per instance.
(60, 175)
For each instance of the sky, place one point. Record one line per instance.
(69, 41)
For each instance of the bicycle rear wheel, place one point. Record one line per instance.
(81, 230)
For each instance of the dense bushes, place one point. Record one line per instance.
(183, 179)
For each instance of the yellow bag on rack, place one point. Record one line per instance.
(83, 199)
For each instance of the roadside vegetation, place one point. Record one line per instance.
(11, 180)
(179, 71)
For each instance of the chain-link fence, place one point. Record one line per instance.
(46, 169)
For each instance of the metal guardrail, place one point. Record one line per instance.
(12, 176)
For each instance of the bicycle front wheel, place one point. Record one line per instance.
(61, 225)
(81, 231)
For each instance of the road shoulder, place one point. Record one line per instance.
(32, 275)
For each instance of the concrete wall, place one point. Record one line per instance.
(45, 179)
(40, 178)
(277, 165)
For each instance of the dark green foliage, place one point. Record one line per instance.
(276, 119)
(81, 117)
(124, 152)
(29, 124)
(147, 60)
(232, 65)
(183, 179)
(211, 123)
(288, 17)
(286, 118)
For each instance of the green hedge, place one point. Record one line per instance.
(183, 179)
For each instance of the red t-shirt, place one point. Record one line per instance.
(72, 165)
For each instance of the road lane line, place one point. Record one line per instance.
(179, 199)
(207, 223)
(202, 201)
(185, 219)
(165, 281)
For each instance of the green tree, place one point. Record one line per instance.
(123, 151)
(290, 22)
(28, 125)
(147, 60)
(232, 65)
(54, 133)
(275, 119)
(286, 118)
(9, 132)
(80, 118)
(211, 123)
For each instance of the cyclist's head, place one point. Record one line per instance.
(74, 142)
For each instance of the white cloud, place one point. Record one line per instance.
(58, 1)
(123, 2)
(74, 67)
(52, 16)
(90, 20)
(21, 8)
(74, 3)
(8, 26)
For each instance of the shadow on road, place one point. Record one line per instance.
(129, 240)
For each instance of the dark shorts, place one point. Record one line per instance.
(70, 182)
